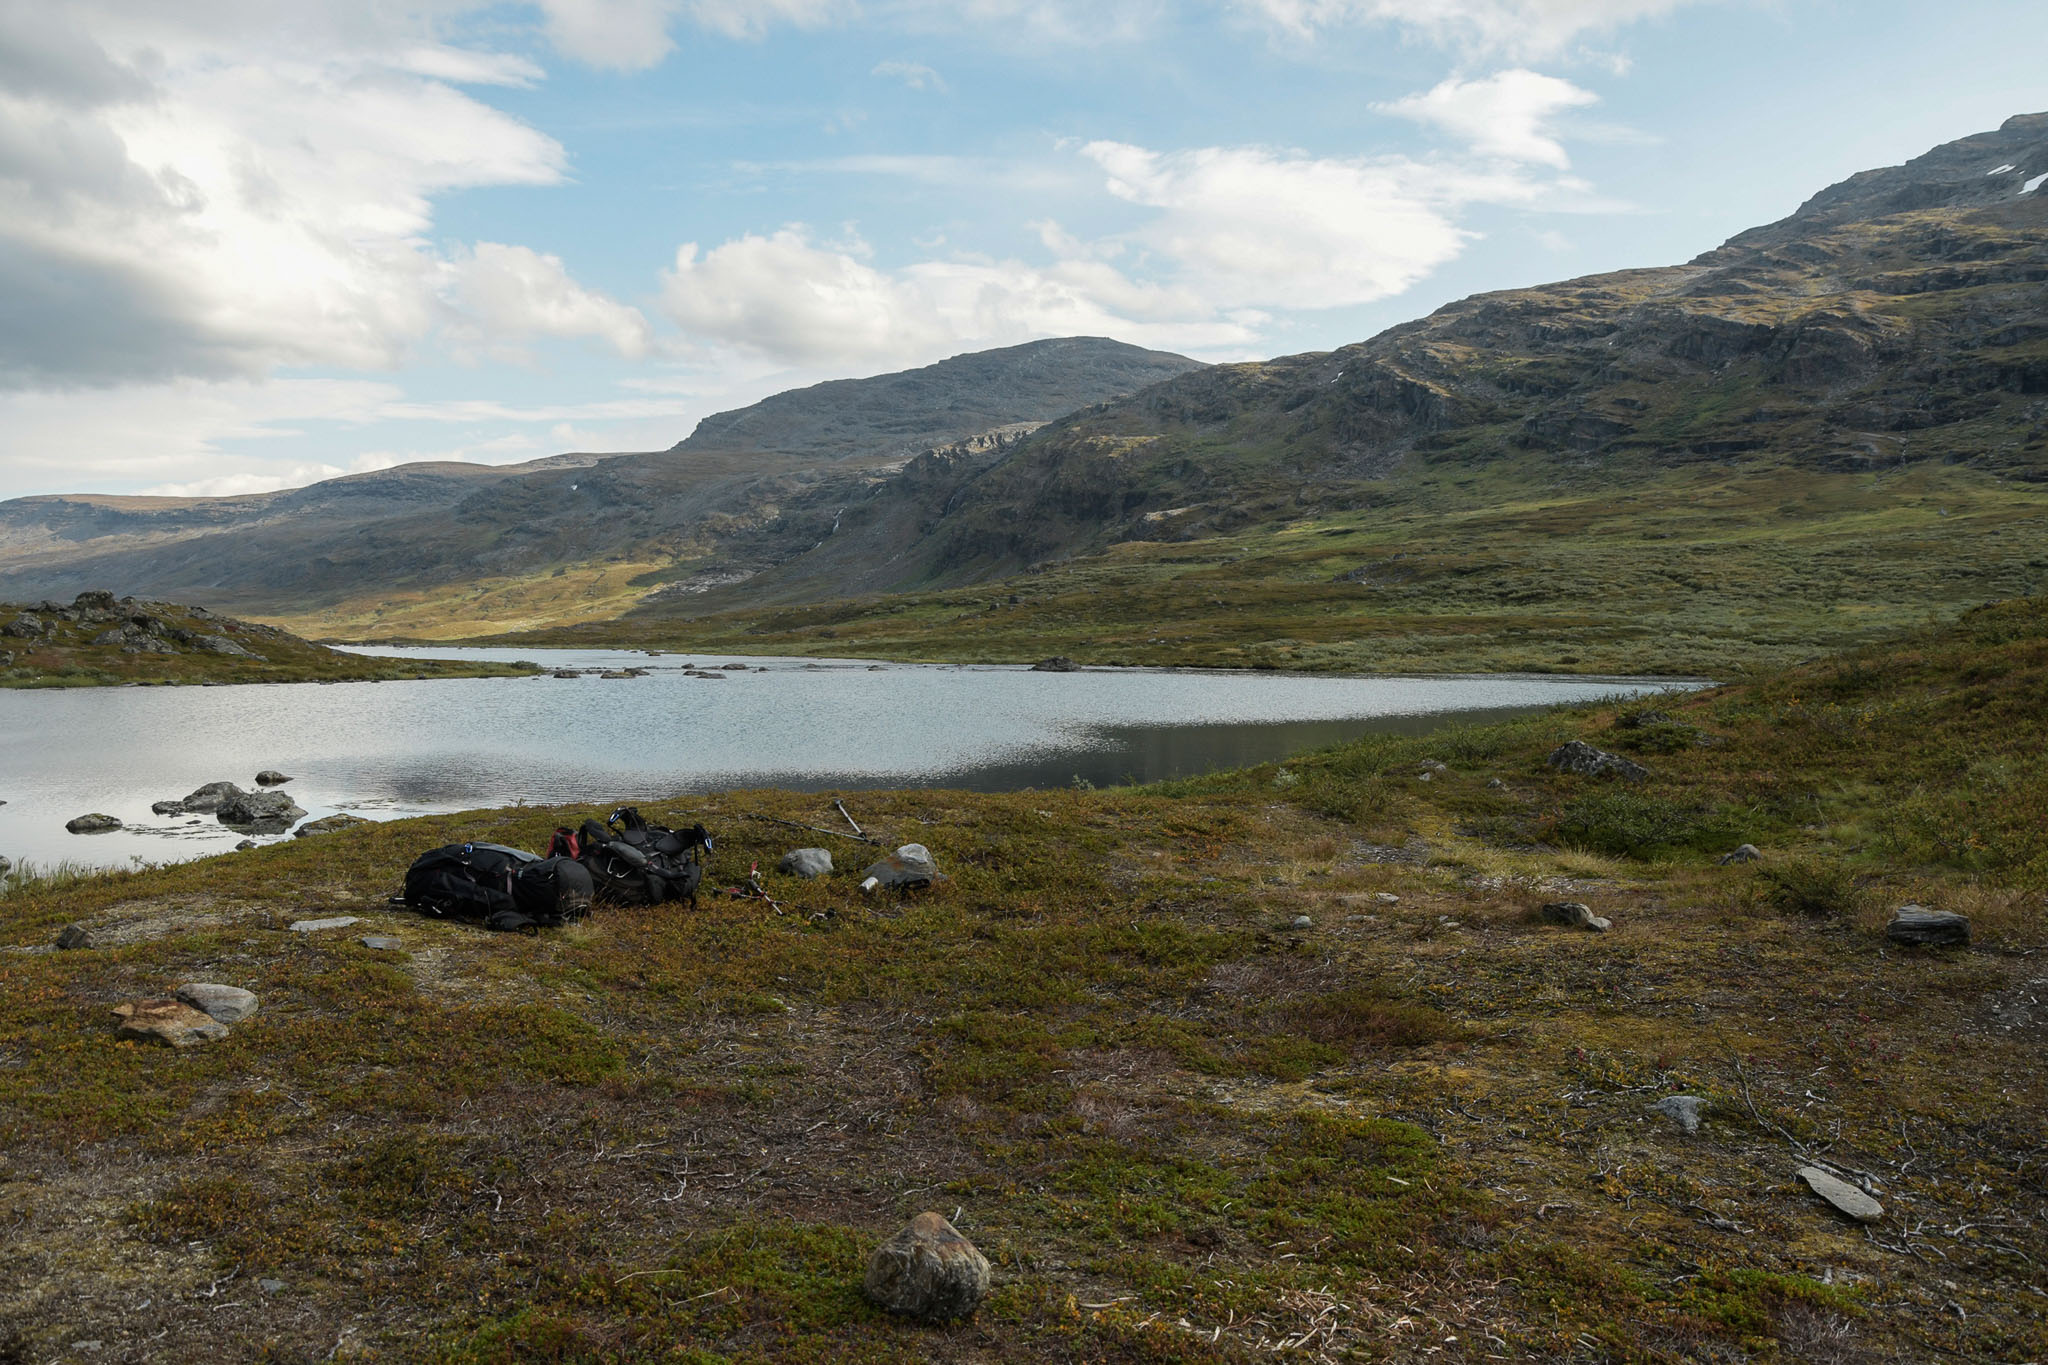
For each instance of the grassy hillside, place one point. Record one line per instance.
(1180, 1126)
(101, 641)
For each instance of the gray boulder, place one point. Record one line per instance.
(26, 626)
(257, 808)
(1575, 915)
(1747, 853)
(1577, 756)
(1917, 926)
(806, 862)
(74, 936)
(1058, 663)
(271, 777)
(909, 867)
(228, 1004)
(928, 1271)
(91, 824)
(93, 599)
(204, 801)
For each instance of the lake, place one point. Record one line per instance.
(384, 750)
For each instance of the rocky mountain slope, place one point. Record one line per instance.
(1896, 319)
(749, 487)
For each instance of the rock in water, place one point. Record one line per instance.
(74, 936)
(806, 862)
(1919, 926)
(257, 808)
(1846, 1198)
(91, 824)
(1575, 915)
(1747, 853)
(228, 1004)
(1579, 757)
(1058, 663)
(168, 1021)
(927, 1271)
(329, 824)
(205, 801)
(1683, 1110)
(271, 777)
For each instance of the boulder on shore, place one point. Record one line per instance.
(92, 824)
(328, 824)
(1058, 663)
(928, 1271)
(908, 868)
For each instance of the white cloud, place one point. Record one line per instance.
(1249, 227)
(505, 294)
(1516, 28)
(916, 75)
(1504, 115)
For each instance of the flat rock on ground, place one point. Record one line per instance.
(1846, 1198)
(314, 926)
(168, 1021)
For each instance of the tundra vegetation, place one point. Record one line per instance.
(1182, 1123)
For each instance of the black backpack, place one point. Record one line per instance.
(502, 888)
(635, 863)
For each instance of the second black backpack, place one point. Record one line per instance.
(635, 863)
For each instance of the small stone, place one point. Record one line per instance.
(1747, 853)
(1495, 784)
(271, 777)
(245, 845)
(806, 862)
(271, 1286)
(927, 1271)
(168, 1021)
(1579, 757)
(1846, 1198)
(1684, 1110)
(314, 926)
(1916, 925)
(1425, 777)
(91, 824)
(73, 936)
(1386, 898)
(329, 824)
(1575, 915)
(1304, 922)
(383, 943)
(229, 1004)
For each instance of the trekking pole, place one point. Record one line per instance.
(840, 806)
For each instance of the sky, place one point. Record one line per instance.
(247, 245)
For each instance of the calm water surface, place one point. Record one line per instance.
(383, 750)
